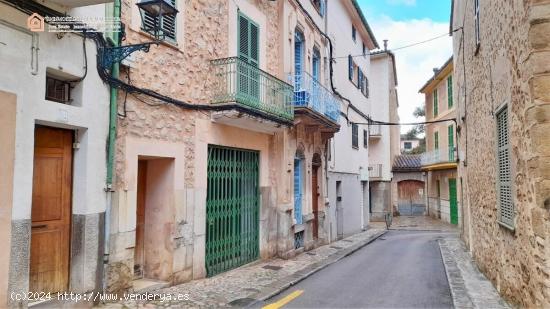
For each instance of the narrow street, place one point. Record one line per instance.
(400, 269)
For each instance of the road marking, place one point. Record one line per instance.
(283, 301)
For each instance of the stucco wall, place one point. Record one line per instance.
(510, 67)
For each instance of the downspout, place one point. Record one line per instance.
(111, 147)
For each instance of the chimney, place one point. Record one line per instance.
(435, 70)
(385, 45)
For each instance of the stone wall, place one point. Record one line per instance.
(510, 67)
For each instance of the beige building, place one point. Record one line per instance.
(502, 90)
(228, 165)
(440, 158)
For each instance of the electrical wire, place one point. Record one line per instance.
(403, 47)
(384, 123)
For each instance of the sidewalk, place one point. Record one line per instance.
(469, 287)
(257, 281)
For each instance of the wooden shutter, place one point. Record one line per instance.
(506, 205)
(435, 100)
(350, 67)
(450, 91)
(451, 138)
(244, 52)
(254, 44)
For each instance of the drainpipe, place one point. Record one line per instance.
(111, 148)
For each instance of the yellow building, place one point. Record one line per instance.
(440, 158)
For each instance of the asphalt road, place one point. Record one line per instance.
(402, 269)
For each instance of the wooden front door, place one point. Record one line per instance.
(51, 210)
(315, 202)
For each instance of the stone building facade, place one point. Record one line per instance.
(218, 165)
(501, 71)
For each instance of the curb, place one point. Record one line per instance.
(454, 278)
(312, 269)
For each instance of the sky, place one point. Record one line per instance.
(403, 22)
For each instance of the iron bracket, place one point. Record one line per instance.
(112, 55)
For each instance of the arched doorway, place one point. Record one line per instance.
(411, 198)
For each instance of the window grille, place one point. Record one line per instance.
(58, 90)
(168, 26)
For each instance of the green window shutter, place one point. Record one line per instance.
(243, 37)
(436, 140)
(451, 144)
(504, 179)
(436, 105)
(254, 44)
(450, 91)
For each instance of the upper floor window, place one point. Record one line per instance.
(365, 138)
(364, 50)
(476, 18)
(168, 26)
(354, 136)
(319, 5)
(435, 103)
(506, 212)
(316, 64)
(450, 91)
(248, 41)
(407, 145)
(58, 90)
(353, 33)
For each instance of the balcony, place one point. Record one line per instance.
(316, 104)
(375, 171)
(442, 158)
(375, 131)
(256, 100)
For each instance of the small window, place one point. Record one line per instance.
(350, 68)
(436, 140)
(354, 136)
(365, 138)
(450, 91)
(319, 5)
(476, 18)
(435, 101)
(353, 33)
(407, 145)
(364, 50)
(506, 205)
(167, 28)
(58, 90)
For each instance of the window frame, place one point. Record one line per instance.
(319, 8)
(355, 136)
(165, 38)
(511, 224)
(435, 99)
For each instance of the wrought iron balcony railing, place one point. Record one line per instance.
(375, 170)
(442, 155)
(237, 81)
(308, 92)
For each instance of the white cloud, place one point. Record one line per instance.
(414, 64)
(402, 2)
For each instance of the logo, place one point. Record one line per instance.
(35, 23)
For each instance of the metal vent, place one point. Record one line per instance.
(506, 205)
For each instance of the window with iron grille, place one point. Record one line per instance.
(365, 138)
(354, 136)
(168, 26)
(476, 18)
(506, 205)
(58, 90)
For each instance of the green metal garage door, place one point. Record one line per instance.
(232, 208)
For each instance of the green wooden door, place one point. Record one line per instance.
(232, 208)
(453, 201)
